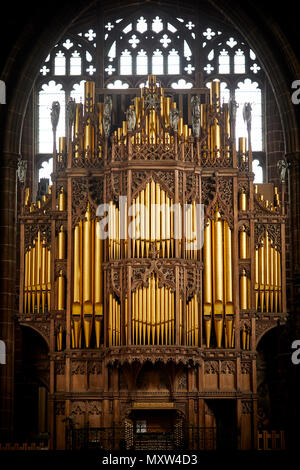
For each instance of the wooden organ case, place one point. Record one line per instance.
(152, 268)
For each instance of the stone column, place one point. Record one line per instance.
(8, 303)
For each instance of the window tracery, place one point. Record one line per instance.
(183, 52)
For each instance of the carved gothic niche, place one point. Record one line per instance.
(211, 367)
(208, 190)
(228, 367)
(193, 285)
(164, 273)
(94, 407)
(78, 368)
(165, 179)
(243, 186)
(245, 267)
(114, 186)
(244, 226)
(79, 199)
(247, 407)
(78, 408)
(95, 190)
(114, 281)
(218, 191)
(60, 265)
(246, 367)
(94, 367)
(60, 367)
(246, 323)
(192, 187)
(182, 381)
(31, 232)
(81, 195)
(60, 408)
(274, 232)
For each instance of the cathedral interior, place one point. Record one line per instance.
(149, 226)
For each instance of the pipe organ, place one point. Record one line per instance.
(153, 233)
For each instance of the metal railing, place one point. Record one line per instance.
(171, 438)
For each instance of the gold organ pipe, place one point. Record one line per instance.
(167, 107)
(215, 94)
(61, 200)
(142, 222)
(62, 144)
(275, 279)
(168, 225)
(60, 291)
(59, 338)
(29, 281)
(138, 225)
(162, 311)
(229, 310)
(218, 276)
(196, 321)
(256, 277)
(133, 318)
(243, 291)
(98, 284)
(124, 130)
(148, 322)
(110, 313)
(157, 216)
(126, 319)
(218, 264)
(244, 337)
(100, 121)
(148, 218)
(186, 132)
(77, 129)
(157, 311)
(166, 327)
(153, 308)
(163, 221)
(243, 243)
(33, 275)
(61, 243)
(271, 277)
(279, 280)
(267, 271)
(133, 226)
(38, 270)
(173, 316)
(144, 316)
(25, 282)
(152, 211)
(243, 201)
(89, 103)
(49, 279)
(77, 289)
(180, 126)
(140, 307)
(172, 227)
(207, 260)
(261, 274)
(243, 148)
